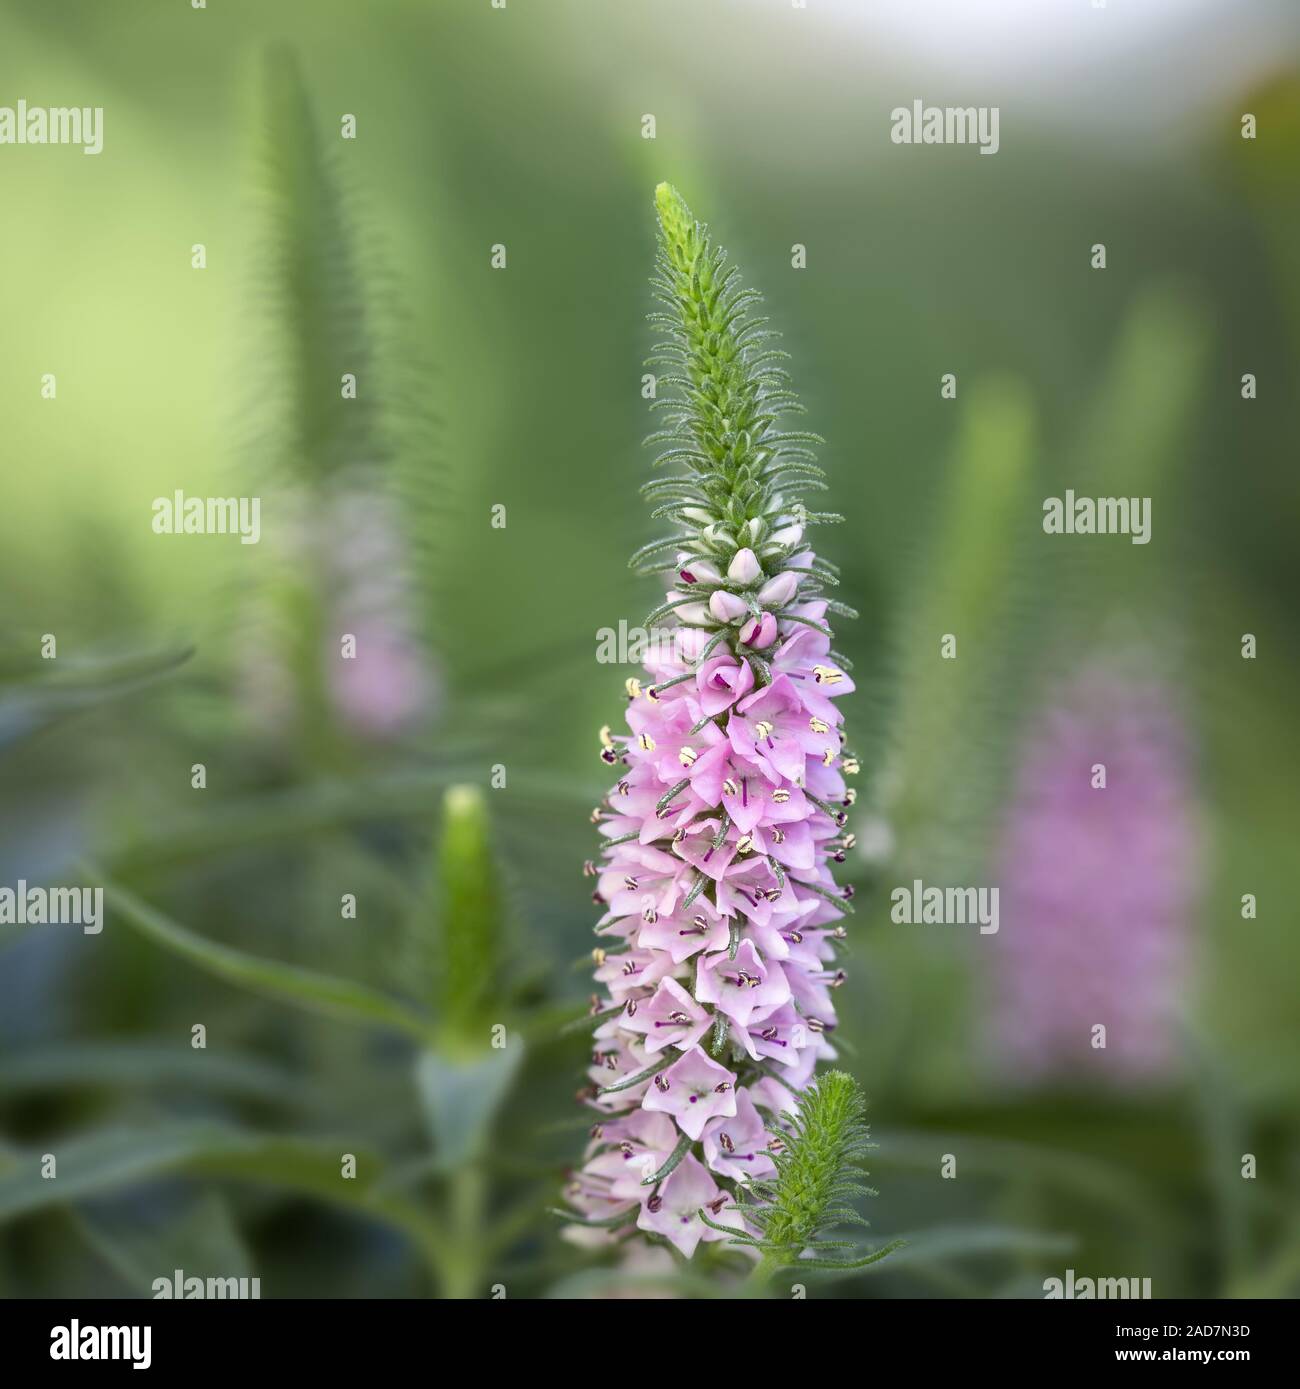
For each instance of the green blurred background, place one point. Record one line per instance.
(520, 388)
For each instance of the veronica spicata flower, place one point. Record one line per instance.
(721, 913)
(1099, 886)
(348, 543)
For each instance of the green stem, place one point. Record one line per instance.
(461, 1270)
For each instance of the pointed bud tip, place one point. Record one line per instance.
(462, 799)
(674, 215)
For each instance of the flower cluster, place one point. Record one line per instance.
(347, 540)
(721, 913)
(1100, 886)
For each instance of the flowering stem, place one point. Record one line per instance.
(716, 956)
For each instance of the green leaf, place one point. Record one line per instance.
(151, 1066)
(87, 678)
(319, 993)
(942, 1244)
(110, 1159)
(1054, 1167)
(201, 1239)
(314, 811)
(35, 694)
(462, 1096)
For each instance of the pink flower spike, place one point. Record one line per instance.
(720, 915)
(670, 1017)
(674, 1209)
(759, 632)
(777, 592)
(699, 571)
(726, 607)
(744, 568)
(721, 681)
(693, 1090)
(737, 1147)
(743, 986)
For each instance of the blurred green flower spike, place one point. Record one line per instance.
(949, 709)
(463, 1081)
(469, 913)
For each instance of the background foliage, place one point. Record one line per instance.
(522, 388)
